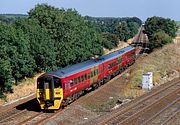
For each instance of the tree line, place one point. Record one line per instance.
(49, 38)
(115, 29)
(160, 31)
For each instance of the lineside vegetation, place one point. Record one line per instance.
(49, 37)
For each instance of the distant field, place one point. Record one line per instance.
(13, 15)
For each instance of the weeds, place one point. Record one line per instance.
(102, 107)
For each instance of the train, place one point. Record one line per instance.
(56, 89)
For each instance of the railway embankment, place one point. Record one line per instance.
(164, 63)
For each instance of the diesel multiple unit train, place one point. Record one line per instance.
(61, 87)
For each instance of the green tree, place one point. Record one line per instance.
(156, 27)
(17, 49)
(110, 40)
(74, 37)
(41, 46)
(159, 39)
(133, 29)
(6, 78)
(122, 30)
(154, 24)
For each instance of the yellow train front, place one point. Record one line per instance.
(49, 92)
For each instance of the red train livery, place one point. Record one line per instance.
(61, 87)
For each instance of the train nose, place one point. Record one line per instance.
(49, 103)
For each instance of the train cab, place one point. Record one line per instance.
(49, 92)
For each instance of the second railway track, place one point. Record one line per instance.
(133, 114)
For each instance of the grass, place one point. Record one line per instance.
(103, 106)
(164, 63)
(25, 87)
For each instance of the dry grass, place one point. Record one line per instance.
(26, 87)
(164, 63)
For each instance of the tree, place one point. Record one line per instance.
(156, 27)
(133, 29)
(154, 24)
(123, 31)
(41, 46)
(22, 63)
(110, 40)
(6, 78)
(76, 40)
(159, 39)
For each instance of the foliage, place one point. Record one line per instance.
(124, 28)
(16, 60)
(110, 40)
(123, 31)
(155, 27)
(108, 24)
(154, 24)
(50, 37)
(11, 18)
(75, 39)
(41, 46)
(159, 39)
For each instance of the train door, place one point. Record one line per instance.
(48, 88)
(94, 75)
(120, 60)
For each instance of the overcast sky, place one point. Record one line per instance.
(111, 8)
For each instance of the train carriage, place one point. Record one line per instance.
(64, 85)
(116, 62)
(72, 81)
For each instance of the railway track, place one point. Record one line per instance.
(20, 117)
(10, 115)
(165, 114)
(23, 115)
(147, 108)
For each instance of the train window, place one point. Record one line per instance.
(71, 83)
(96, 71)
(82, 78)
(117, 62)
(40, 83)
(89, 75)
(120, 60)
(66, 85)
(75, 80)
(57, 83)
(48, 81)
(79, 79)
(92, 74)
(100, 71)
(108, 66)
(85, 76)
(133, 53)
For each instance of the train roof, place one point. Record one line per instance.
(66, 71)
(116, 53)
(62, 72)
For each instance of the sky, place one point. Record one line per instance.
(101, 8)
